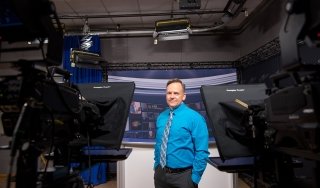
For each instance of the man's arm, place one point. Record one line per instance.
(200, 137)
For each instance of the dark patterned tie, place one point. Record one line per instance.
(165, 141)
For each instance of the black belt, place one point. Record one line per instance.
(175, 170)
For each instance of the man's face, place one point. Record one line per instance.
(175, 94)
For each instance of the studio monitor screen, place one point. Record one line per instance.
(113, 100)
(226, 116)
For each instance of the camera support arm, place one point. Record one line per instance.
(289, 34)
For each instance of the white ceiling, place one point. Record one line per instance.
(141, 15)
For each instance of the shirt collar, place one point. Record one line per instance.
(176, 108)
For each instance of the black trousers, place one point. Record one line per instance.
(163, 179)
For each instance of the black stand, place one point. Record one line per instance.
(113, 101)
(27, 141)
(27, 159)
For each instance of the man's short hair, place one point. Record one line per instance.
(177, 80)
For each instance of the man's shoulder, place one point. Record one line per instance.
(190, 110)
(164, 112)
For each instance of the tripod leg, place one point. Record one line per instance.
(27, 167)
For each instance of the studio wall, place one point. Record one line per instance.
(195, 49)
(263, 28)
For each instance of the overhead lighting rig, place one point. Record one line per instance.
(84, 59)
(173, 29)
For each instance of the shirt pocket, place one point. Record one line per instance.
(180, 133)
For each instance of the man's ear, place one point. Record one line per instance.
(184, 97)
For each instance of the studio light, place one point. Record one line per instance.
(174, 29)
(85, 59)
(82, 57)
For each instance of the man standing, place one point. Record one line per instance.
(181, 149)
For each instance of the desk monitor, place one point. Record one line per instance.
(226, 117)
(113, 100)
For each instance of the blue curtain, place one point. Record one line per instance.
(81, 75)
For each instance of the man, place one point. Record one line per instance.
(182, 159)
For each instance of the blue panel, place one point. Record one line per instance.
(96, 175)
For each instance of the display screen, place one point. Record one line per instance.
(227, 116)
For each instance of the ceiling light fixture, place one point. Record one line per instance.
(173, 29)
(84, 59)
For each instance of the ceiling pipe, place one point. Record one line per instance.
(141, 32)
(226, 10)
(138, 32)
(105, 33)
(141, 15)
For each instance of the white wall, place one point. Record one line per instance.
(137, 170)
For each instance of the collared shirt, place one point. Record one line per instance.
(187, 142)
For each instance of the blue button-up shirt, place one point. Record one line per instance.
(187, 142)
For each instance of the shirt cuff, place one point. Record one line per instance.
(195, 178)
(155, 166)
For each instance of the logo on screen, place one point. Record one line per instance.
(101, 87)
(235, 90)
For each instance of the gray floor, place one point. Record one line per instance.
(109, 184)
(4, 161)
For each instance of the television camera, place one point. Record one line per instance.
(273, 132)
(50, 121)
